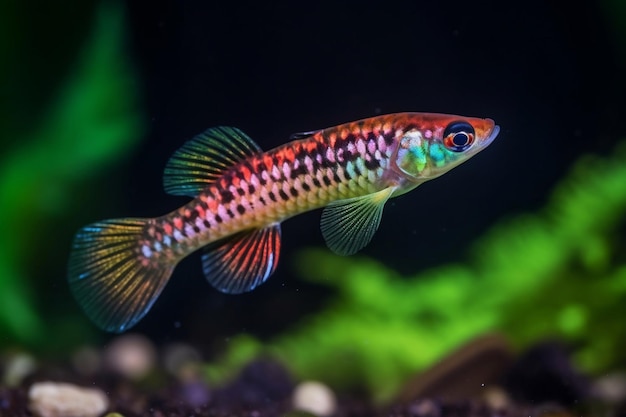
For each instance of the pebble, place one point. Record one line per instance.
(52, 399)
(315, 398)
(545, 373)
(424, 408)
(87, 360)
(194, 393)
(131, 355)
(180, 360)
(260, 382)
(17, 368)
(496, 398)
(610, 387)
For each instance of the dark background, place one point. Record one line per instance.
(550, 76)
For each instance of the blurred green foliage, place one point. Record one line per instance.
(557, 273)
(92, 120)
(615, 16)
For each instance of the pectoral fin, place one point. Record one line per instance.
(244, 261)
(349, 225)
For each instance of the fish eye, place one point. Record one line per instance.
(458, 136)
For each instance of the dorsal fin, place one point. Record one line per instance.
(203, 159)
(303, 135)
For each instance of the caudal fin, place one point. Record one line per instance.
(110, 278)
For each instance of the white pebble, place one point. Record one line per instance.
(314, 397)
(610, 387)
(496, 398)
(17, 368)
(131, 355)
(52, 399)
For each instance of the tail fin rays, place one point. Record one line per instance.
(107, 276)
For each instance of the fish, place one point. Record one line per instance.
(241, 195)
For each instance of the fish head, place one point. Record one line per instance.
(432, 144)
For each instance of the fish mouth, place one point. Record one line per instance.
(492, 135)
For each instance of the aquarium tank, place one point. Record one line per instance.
(494, 283)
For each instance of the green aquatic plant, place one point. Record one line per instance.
(558, 273)
(92, 120)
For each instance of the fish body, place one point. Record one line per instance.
(240, 194)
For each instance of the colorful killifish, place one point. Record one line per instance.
(241, 194)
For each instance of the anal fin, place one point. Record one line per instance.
(242, 262)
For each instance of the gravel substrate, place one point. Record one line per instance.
(540, 382)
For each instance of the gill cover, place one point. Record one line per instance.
(422, 158)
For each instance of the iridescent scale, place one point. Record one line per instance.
(333, 164)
